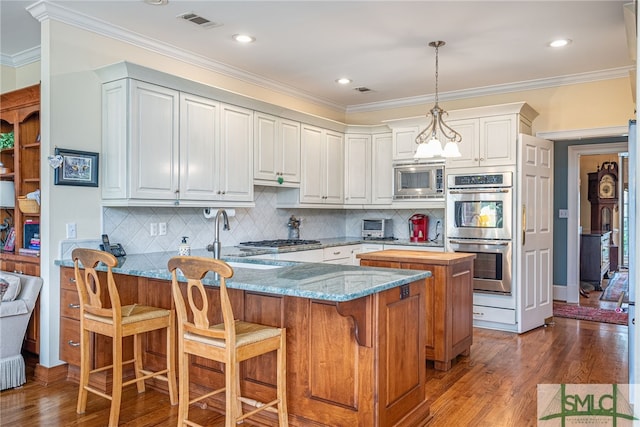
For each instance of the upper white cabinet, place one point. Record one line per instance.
(404, 141)
(368, 169)
(489, 141)
(165, 147)
(382, 169)
(490, 134)
(357, 169)
(322, 166)
(276, 151)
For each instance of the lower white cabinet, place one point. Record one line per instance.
(338, 255)
(314, 255)
(415, 248)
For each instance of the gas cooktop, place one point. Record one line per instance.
(279, 243)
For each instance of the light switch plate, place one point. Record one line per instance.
(162, 229)
(71, 230)
(563, 213)
(153, 229)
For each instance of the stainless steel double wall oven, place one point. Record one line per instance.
(480, 221)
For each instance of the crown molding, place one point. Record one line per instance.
(572, 79)
(21, 59)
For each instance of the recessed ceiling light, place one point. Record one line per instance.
(156, 2)
(343, 81)
(243, 38)
(560, 43)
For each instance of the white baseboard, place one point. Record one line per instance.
(560, 293)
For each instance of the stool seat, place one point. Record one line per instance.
(230, 342)
(101, 313)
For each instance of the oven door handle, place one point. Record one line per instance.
(479, 242)
(480, 190)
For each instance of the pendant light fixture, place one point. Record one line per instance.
(428, 143)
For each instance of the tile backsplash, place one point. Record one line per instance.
(131, 226)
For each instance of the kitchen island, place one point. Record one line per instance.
(355, 336)
(449, 298)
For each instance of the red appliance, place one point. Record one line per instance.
(418, 226)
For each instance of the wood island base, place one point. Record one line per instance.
(354, 363)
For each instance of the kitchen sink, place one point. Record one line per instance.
(254, 266)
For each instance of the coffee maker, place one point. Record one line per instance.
(418, 227)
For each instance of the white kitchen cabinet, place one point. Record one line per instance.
(236, 154)
(404, 142)
(276, 151)
(199, 127)
(338, 255)
(357, 169)
(362, 249)
(322, 166)
(172, 148)
(382, 170)
(140, 141)
(313, 255)
(486, 141)
(368, 169)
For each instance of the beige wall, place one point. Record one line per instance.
(16, 78)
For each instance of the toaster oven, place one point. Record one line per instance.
(377, 228)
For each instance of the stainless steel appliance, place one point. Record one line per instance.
(480, 206)
(479, 220)
(418, 180)
(377, 228)
(492, 266)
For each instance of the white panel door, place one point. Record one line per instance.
(236, 153)
(382, 170)
(198, 149)
(534, 238)
(357, 169)
(154, 141)
(265, 147)
(289, 151)
(334, 168)
(498, 140)
(312, 165)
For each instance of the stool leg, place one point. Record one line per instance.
(137, 357)
(116, 393)
(183, 403)
(230, 379)
(85, 367)
(281, 381)
(171, 360)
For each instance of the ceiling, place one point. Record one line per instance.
(302, 47)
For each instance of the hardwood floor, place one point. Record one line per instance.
(494, 386)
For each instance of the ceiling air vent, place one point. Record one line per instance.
(198, 20)
(362, 89)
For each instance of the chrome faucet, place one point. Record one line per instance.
(215, 247)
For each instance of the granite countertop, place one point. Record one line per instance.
(329, 282)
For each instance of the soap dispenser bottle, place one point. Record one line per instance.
(184, 249)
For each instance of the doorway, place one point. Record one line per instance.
(574, 204)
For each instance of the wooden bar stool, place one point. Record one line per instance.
(116, 322)
(230, 342)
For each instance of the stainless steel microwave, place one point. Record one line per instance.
(418, 180)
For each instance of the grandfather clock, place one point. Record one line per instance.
(603, 195)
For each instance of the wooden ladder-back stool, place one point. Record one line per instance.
(116, 322)
(229, 342)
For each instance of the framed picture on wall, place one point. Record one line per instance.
(78, 168)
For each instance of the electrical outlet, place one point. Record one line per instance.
(563, 213)
(162, 229)
(153, 229)
(71, 230)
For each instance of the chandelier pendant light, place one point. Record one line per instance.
(428, 143)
